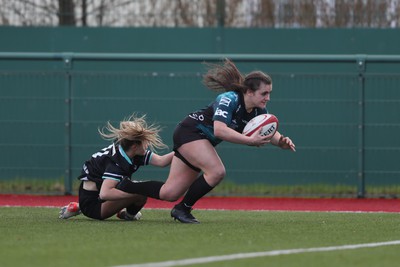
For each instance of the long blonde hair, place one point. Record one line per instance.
(134, 130)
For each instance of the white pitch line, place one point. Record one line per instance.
(259, 254)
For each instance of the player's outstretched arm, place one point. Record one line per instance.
(161, 160)
(283, 142)
(222, 131)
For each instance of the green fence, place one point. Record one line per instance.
(342, 111)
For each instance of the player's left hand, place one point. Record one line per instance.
(286, 143)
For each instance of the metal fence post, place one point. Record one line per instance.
(361, 61)
(67, 60)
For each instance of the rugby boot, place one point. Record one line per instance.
(124, 215)
(71, 210)
(183, 214)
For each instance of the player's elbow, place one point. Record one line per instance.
(219, 133)
(220, 130)
(164, 163)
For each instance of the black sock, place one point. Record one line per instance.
(148, 188)
(133, 209)
(197, 190)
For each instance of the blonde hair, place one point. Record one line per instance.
(227, 77)
(134, 130)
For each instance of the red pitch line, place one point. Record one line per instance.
(232, 203)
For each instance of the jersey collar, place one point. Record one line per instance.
(121, 150)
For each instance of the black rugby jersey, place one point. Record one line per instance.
(112, 163)
(229, 108)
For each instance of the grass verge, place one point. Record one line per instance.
(226, 188)
(35, 237)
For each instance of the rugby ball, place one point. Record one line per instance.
(267, 122)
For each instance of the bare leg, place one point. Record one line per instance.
(111, 207)
(202, 155)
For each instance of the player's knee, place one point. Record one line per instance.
(170, 195)
(218, 175)
(221, 174)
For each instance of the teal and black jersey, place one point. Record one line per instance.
(112, 163)
(228, 108)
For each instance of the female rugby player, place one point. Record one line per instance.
(133, 144)
(196, 167)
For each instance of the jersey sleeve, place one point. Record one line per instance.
(113, 172)
(143, 160)
(224, 106)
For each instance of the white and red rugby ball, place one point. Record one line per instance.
(267, 122)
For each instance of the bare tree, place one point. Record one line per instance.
(211, 13)
(307, 13)
(84, 12)
(232, 18)
(395, 19)
(266, 15)
(341, 7)
(202, 13)
(66, 12)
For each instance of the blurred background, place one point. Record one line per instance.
(68, 66)
(202, 13)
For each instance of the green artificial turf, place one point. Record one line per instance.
(36, 237)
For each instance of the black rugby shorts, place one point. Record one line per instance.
(90, 203)
(186, 134)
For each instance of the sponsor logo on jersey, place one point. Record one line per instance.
(225, 101)
(220, 112)
(197, 117)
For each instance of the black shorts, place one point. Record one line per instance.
(185, 134)
(90, 203)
